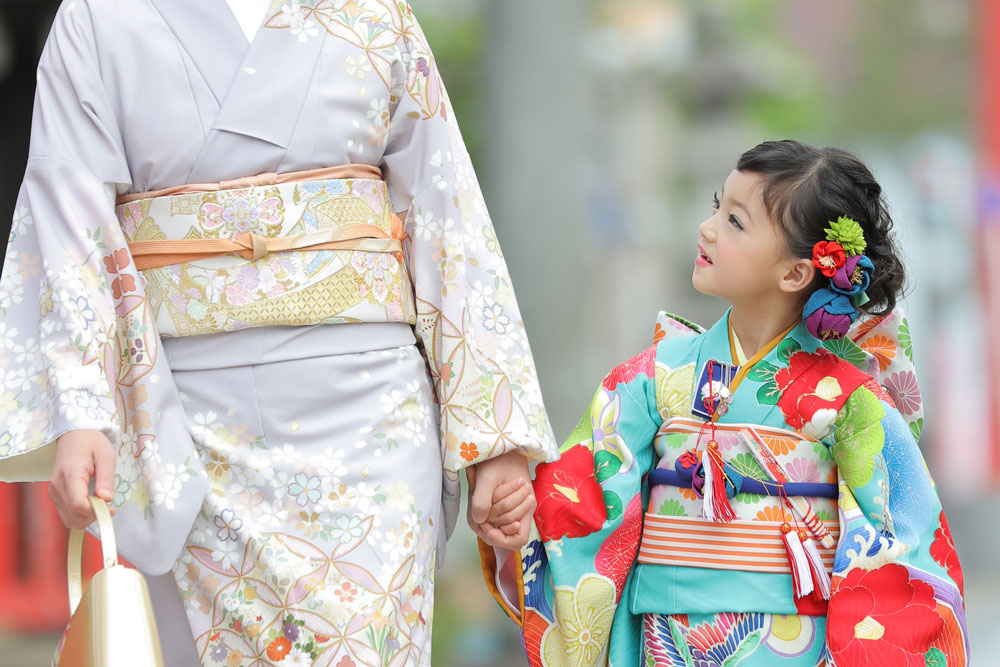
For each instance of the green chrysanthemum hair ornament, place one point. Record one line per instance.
(848, 234)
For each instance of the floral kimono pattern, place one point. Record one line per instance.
(276, 544)
(597, 588)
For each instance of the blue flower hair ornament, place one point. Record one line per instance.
(830, 311)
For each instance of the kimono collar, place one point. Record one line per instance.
(739, 357)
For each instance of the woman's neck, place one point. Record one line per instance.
(755, 327)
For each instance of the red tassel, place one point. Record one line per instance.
(821, 580)
(715, 501)
(798, 562)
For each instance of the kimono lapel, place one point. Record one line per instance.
(264, 101)
(209, 32)
(746, 405)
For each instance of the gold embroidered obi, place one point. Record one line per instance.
(295, 249)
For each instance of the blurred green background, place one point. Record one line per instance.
(601, 128)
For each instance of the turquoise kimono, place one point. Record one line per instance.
(627, 572)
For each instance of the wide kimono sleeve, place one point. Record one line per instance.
(78, 344)
(468, 320)
(897, 584)
(56, 304)
(569, 580)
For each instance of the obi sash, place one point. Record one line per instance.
(676, 534)
(321, 246)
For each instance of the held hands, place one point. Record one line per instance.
(81, 455)
(501, 500)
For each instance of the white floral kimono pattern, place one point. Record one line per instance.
(323, 83)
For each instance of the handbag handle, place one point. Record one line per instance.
(75, 551)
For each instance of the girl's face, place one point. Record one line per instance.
(742, 256)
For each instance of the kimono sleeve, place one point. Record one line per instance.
(572, 577)
(468, 320)
(897, 584)
(55, 297)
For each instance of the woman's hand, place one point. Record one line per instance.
(81, 455)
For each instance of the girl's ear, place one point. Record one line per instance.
(798, 275)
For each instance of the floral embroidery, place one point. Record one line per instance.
(944, 554)
(469, 451)
(570, 501)
(626, 372)
(615, 557)
(882, 348)
(904, 391)
(882, 617)
(578, 639)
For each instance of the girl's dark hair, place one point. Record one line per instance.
(806, 188)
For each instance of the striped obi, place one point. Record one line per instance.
(314, 247)
(675, 531)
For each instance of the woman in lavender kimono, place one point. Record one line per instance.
(753, 494)
(235, 256)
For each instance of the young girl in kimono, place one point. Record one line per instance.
(753, 494)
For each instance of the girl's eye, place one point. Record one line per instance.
(715, 201)
(733, 220)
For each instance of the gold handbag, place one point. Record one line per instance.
(113, 624)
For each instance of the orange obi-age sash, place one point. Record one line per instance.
(301, 248)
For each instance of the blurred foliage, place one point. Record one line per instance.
(456, 37)
(807, 67)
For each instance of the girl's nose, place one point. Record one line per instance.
(707, 230)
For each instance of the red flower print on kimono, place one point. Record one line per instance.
(626, 372)
(570, 501)
(815, 382)
(614, 558)
(882, 617)
(944, 554)
(114, 263)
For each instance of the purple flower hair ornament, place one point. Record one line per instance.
(828, 315)
(853, 277)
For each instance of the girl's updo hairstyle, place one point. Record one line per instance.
(806, 188)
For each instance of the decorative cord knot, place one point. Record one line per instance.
(254, 246)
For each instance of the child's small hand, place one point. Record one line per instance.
(500, 489)
(513, 503)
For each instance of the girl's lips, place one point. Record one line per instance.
(702, 259)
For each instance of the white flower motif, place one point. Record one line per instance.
(228, 524)
(204, 424)
(495, 320)
(227, 552)
(346, 528)
(297, 658)
(18, 423)
(8, 337)
(305, 489)
(90, 404)
(167, 485)
(15, 379)
(22, 219)
(399, 496)
(11, 290)
(379, 111)
(358, 68)
(425, 226)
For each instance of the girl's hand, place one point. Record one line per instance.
(81, 455)
(488, 481)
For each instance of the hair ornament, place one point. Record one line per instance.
(848, 234)
(830, 311)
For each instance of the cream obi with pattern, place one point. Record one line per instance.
(295, 249)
